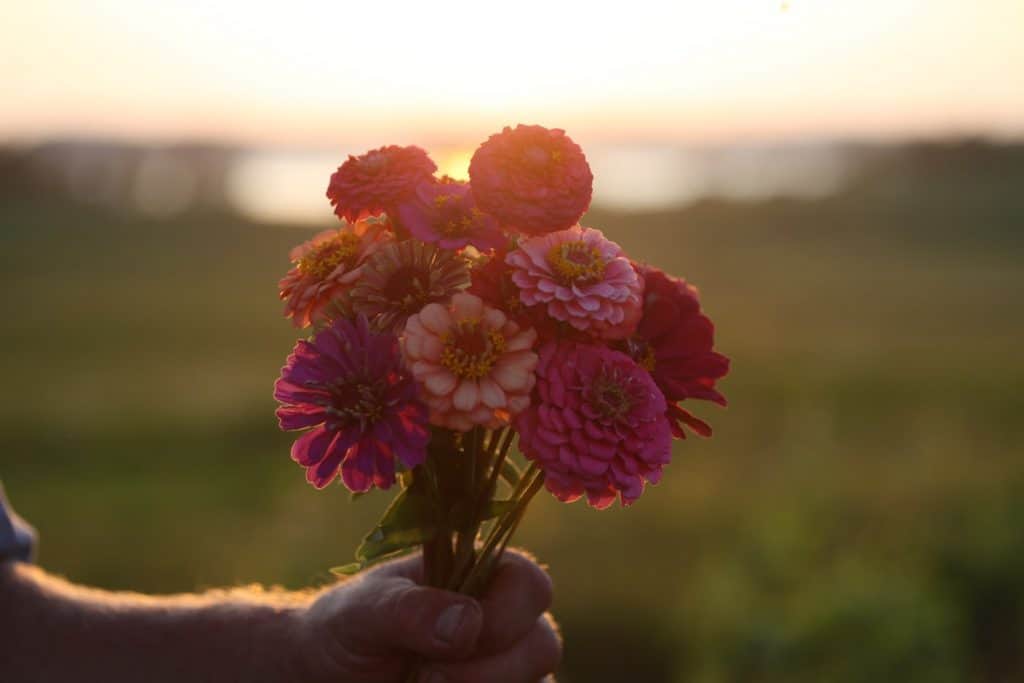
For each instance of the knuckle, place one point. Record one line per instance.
(403, 605)
(542, 587)
(548, 648)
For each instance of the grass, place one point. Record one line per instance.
(855, 517)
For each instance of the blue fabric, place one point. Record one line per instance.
(17, 538)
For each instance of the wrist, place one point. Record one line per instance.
(275, 644)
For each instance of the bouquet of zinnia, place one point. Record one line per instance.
(452, 319)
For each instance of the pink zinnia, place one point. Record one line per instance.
(598, 425)
(474, 365)
(491, 280)
(349, 386)
(378, 180)
(675, 343)
(532, 179)
(582, 278)
(444, 213)
(326, 267)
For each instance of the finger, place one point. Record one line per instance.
(519, 592)
(528, 661)
(395, 614)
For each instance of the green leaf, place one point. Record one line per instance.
(356, 567)
(356, 495)
(407, 522)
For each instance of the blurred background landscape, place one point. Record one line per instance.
(843, 182)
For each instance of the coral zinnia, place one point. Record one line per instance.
(444, 212)
(674, 341)
(533, 179)
(582, 278)
(350, 386)
(474, 364)
(401, 278)
(326, 267)
(378, 180)
(598, 427)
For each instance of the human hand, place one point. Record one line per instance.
(364, 630)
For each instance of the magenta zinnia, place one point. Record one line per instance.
(348, 386)
(402, 278)
(378, 180)
(444, 213)
(598, 425)
(475, 366)
(582, 278)
(532, 179)
(675, 342)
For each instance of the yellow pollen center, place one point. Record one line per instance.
(470, 351)
(454, 222)
(324, 258)
(576, 262)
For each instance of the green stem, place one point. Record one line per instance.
(502, 532)
(499, 462)
(466, 541)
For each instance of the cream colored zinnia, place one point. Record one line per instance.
(474, 365)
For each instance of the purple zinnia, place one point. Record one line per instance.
(349, 384)
(596, 426)
(445, 213)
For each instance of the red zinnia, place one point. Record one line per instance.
(378, 180)
(533, 179)
(675, 341)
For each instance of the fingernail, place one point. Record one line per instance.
(447, 626)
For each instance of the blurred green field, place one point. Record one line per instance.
(858, 515)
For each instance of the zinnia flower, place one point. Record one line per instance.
(582, 278)
(326, 267)
(402, 278)
(532, 179)
(491, 280)
(444, 213)
(598, 426)
(674, 342)
(378, 180)
(475, 366)
(350, 387)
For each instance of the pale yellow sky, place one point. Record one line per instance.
(324, 73)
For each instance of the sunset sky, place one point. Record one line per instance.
(314, 74)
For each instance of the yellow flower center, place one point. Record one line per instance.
(576, 262)
(470, 351)
(325, 257)
(455, 221)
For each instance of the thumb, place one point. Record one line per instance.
(390, 614)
